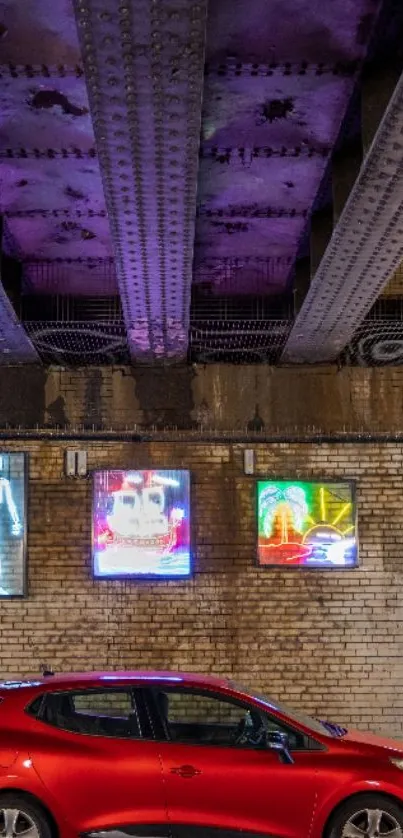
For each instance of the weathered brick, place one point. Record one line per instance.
(332, 641)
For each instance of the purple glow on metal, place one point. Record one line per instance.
(359, 260)
(15, 345)
(97, 278)
(52, 192)
(144, 70)
(279, 77)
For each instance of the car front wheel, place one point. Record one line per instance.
(21, 818)
(367, 816)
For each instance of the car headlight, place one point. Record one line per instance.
(397, 762)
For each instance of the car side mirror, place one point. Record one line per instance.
(276, 740)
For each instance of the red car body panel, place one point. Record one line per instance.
(365, 738)
(237, 788)
(22, 777)
(100, 784)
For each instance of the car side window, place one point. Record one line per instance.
(111, 713)
(115, 704)
(191, 717)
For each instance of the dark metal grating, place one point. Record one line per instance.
(379, 339)
(234, 342)
(88, 277)
(239, 330)
(72, 309)
(241, 307)
(76, 331)
(79, 343)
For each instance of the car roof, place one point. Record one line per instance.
(98, 679)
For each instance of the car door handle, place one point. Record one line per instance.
(186, 771)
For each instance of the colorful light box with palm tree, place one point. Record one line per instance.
(310, 524)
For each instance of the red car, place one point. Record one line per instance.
(154, 755)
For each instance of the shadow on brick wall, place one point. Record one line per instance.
(166, 398)
(22, 396)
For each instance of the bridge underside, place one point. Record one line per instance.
(204, 181)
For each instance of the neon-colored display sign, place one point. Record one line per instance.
(12, 524)
(141, 524)
(306, 523)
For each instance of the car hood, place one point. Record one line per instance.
(374, 740)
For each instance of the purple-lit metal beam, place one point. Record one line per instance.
(365, 249)
(15, 346)
(143, 61)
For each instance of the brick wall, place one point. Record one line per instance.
(331, 641)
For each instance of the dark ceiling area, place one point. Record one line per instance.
(193, 181)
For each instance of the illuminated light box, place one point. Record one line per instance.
(141, 526)
(306, 524)
(12, 524)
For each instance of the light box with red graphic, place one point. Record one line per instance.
(141, 526)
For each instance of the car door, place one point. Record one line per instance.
(97, 759)
(213, 784)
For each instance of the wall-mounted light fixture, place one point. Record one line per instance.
(75, 463)
(249, 461)
(81, 462)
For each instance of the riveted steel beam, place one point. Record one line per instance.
(15, 345)
(143, 62)
(364, 250)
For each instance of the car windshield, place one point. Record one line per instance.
(314, 725)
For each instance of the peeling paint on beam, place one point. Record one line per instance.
(143, 62)
(365, 249)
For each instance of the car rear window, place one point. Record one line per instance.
(111, 713)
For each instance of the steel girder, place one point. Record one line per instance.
(15, 345)
(365, 249)
(143, 61)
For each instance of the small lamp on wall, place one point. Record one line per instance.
(249, 461)
(70, 464)
(75, 464)
(81, 464)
